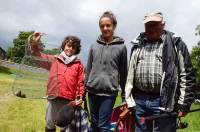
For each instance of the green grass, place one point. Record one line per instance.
(5, 83)
(22, 115)
(5, 70)
(31, 81)
(28, 115)
(17, 114)
(193, 119)
(31, 87)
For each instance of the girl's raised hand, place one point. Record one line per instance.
(36, 37)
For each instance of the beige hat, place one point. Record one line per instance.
(153, 16)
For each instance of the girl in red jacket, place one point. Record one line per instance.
(66, 76)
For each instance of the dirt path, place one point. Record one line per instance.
(4, 99)
(5, 90)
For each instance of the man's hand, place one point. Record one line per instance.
(126, 112)
(182, 114)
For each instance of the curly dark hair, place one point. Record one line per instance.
(76, 42)
(110, 15)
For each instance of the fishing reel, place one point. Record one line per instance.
(181, 124)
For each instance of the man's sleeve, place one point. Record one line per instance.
(186, 78)
(123, 71)
(129, 84)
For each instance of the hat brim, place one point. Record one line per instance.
(151, 19)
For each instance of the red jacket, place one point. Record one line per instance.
(65, 80)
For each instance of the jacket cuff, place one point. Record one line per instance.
(183, 108)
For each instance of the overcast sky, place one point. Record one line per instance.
(58, 18)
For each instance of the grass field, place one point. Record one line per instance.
(27, 115)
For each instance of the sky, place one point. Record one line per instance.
(59, 18)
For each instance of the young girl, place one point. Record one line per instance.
(106, 70)
(66, 75)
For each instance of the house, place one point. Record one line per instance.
(2, 54)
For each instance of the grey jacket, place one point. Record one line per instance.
(178, 80)
(106, 67)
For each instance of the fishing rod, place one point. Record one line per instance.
(30, 78)
(172, 114)
(180, 125)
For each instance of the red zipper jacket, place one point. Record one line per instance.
(65, 80)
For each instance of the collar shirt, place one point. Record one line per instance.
(149, 72)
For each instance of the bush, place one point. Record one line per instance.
(5, 70)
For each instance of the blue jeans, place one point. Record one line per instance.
(148, 105)
(100, 111)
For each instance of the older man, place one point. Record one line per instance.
(160, 78)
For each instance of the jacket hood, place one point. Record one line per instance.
(116, 40)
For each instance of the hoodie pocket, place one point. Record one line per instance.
(91, 77)
(113, 80)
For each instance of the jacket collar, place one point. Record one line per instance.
(66, 59)
(140, 38)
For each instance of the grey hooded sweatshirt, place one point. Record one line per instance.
(106, 67)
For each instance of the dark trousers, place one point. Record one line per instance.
(53, 106)
(148, 105)
(100, 111)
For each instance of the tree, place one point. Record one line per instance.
(195, 57)
(52, 51)
(18, 51)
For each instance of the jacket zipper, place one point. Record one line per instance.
(161, 85)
